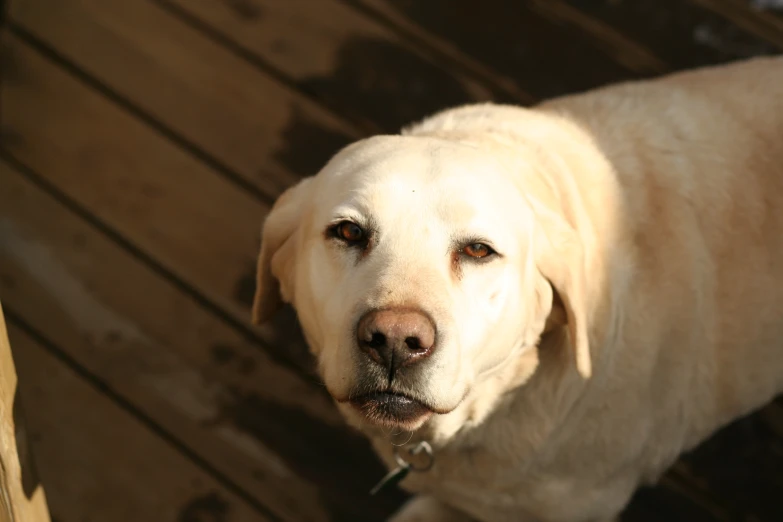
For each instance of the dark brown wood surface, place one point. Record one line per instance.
(144, 141)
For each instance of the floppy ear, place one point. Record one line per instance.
(274, 274)
(559, 255)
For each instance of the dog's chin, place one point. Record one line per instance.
(391, 410)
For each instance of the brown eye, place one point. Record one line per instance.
(350, 232)
(477, 250)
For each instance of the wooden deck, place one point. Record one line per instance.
(143, 141)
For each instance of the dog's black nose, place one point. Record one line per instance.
(396, 337)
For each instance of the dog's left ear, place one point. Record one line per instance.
(275, 271)
(559, 255)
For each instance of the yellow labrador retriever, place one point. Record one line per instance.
(557, 300)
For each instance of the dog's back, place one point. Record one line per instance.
(698, 157)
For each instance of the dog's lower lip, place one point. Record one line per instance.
(385, 395)
(390, 408)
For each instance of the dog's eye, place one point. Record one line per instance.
(349, 232)
(477, 250)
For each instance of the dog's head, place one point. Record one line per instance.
(419, 267)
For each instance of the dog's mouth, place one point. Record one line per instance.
(392, 409)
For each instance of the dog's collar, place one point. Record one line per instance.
(417, 457)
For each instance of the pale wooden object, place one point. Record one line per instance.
(22, 498)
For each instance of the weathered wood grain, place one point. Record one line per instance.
(766, 23)
(362, 69)
(232, 114)
(624, 50)
(544, 58)
(682, 33)
(99, 463)
(199, 228)
(741, 467)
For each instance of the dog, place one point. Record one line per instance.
(558, 300)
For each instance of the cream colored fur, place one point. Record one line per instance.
(637, 306)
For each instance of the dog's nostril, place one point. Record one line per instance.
(377, 340)
(414, 343)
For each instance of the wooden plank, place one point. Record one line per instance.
(742, 466)
(241, 119)
(359, 67)
(263, 428)
(667, 502)
(174, 209)
(48, 263)
(757, 21)
(22, 496)
(621, 37)
(624, 50)
(100, 463)
(524, 46)
(771, 9)
(682, 34)
(545, 58)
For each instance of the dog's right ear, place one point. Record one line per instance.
(275, 271)
(560, 258)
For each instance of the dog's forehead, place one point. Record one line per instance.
(383, 169)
